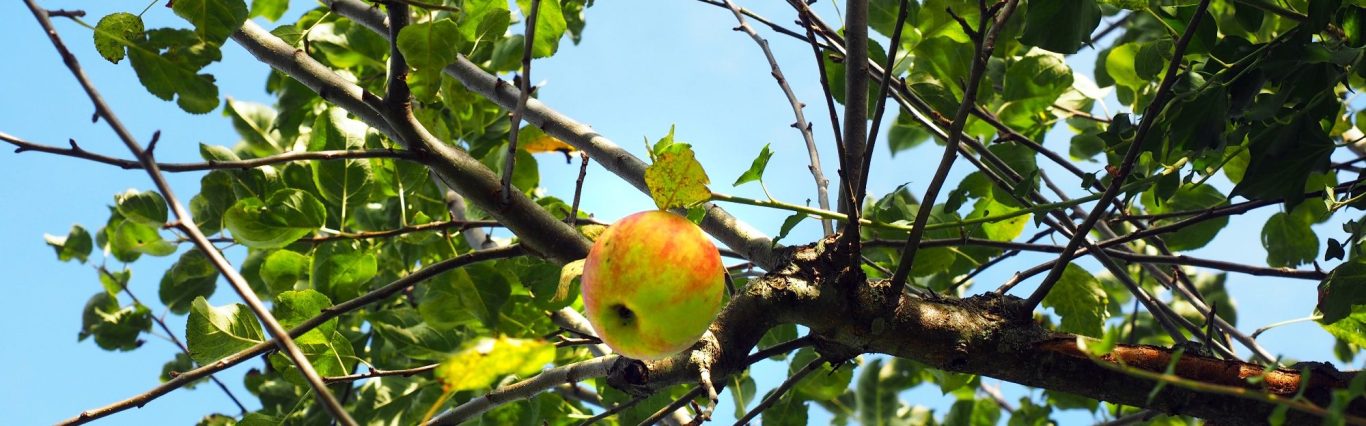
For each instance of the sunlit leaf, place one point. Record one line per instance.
(75, 245)
(214, 332)
(1079, 300)
(484, 360)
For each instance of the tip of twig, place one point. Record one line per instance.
(76, 13)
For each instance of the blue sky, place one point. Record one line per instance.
(642, 66)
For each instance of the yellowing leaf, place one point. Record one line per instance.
(483, 361)
(568, 273)
(534, 140)
(592, 231)
(676, 179)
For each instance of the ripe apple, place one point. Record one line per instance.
(652, 283)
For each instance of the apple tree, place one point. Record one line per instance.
(353, 222)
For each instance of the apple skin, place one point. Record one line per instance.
(652, 284)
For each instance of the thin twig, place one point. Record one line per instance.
(186, 224)
(879, 110)
(524, 90)
(782, 388)
(571, 373)
(822, 195)
(985, 44)
(672, 407)
(1160, 99)
(373, 372)
(76, 151)
(612, 411)
(578, 190)
(161, 323)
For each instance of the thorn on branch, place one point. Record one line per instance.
(95, 117)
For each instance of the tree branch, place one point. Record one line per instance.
(77, 152)
(186, 224)
(542, 232)
(984, 335)
(822, 193)
(1160, 99)
(524, 89)
(735, 234)
(986, 42)
(570, 373)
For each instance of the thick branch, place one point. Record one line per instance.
(735, 234)
(983, 335)
(540, 231)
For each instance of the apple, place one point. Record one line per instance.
(652, 283)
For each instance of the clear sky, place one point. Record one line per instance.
(642, 66)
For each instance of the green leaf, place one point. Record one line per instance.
(213, 20)
(180, 364)
(742, 389)
(213, 333)
(1079, 300)
(293, 308)
(330, 354)
(1289, 241)
(75, 245)
(115, 282)
(146, 207)
(272, 10)
(345, 182)
(1350, 328)
(115, 32)
(876, 401)
(135, 237)
(430, 45)
(973, 412)
(756, 169)
(788, 224)
(1342, 291)
(484, 360)
(283, 269)
(296, 208)
(550, 26)
(192, 277)
(115, 328)
(1000, 230)
(882, 16)
(453, 298)
(341, 272)
(826, 383)
(905, 133)
(291, 215)
(255, 123)
(404, 327)
(167, 76)
(217, 152)
(1281, 159)
(676, 179)
(788, 411)
(1187, 198)
(1061, 26)
(776, 335)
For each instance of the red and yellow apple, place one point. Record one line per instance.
(652, 283)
